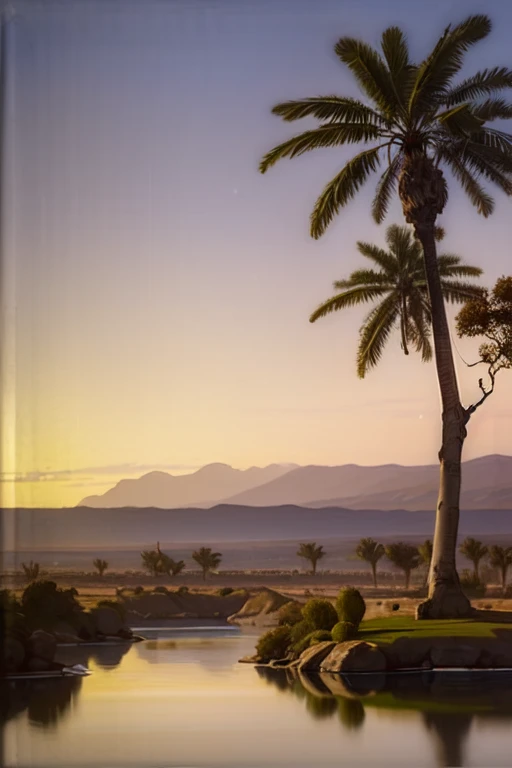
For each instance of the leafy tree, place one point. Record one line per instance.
(151, 561)
(501, 558)
(421, 121)
(474, 551)
(169, 566)
(404, 556)
(425, 550)
(31, 570)
(399, 286)
(312, 554)
(370, 551)
(100, 565)
(207, 560)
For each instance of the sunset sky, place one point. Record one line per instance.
(158, 288)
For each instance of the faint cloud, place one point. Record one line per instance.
(86, 474)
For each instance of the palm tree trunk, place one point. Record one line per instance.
(504, 576)
(374, 571)
(445, 598)
(204, 574)
(402, 327)
(313, 564)
(407, 578)
(476, 565)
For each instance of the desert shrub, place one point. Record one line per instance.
(488, 606)
(161, 590)
(395, 607)
(9, 602)
(31, 570)
(138, 590)
(312, 638)
(274, 644)
(320, 614)
(379, 602)
(350, 606)
(300, 630)
(343, 631)
(290, 613)
(225, 591)
(115, 605)
(183, 591)
(471, 584)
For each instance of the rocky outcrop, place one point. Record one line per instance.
(42, 645)
(158, 605)
(107, 621)
(354, 656)
(260, 609)
(312, 657)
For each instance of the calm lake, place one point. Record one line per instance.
(181, 699)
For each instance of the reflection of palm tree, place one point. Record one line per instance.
(350, 712)
(450, 732)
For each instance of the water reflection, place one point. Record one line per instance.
(46, 701)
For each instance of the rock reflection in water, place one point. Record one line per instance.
(448, 702)
(46, 701)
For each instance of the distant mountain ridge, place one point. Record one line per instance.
(486, 484)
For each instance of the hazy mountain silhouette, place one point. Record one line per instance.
(486, 484)
(205, 487)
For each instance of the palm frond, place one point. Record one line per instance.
(386, 261)
(369, 277)
(370, 72)
(396, 53)
(456, 291)
(493, 109)
(334, 109)
(418, 327)
(477, 195)
(343, 188)
(385, 189)
(400, 241)
(460, 120)
(330, 135)
(494, 165)
(483, 83)
(375, 333)
(450, 266)
(351, 297)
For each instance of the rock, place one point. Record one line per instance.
(12, 654)
(63, 638)
(84, 626)
(354, 656)
(42, 644)
(106, 621)
(453, 654)
(312, 657)
(407, 652)
(36, 664)
(496, 655)
(125, 633)
(250, 660)
(279, 663)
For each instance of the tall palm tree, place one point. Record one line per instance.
(207, 560)
(501, 558)
(370, 551)
(312, 553)
(404, 556)
(400, 285)
(419, 121)
(474, 551)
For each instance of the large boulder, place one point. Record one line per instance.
(36, 664)
(454, 654)
(354, 656)
(106, 620)
(407, 652)
(312, 657)
(496, 654)
(42, 644)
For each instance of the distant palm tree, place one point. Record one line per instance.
(100, 565)
(418, 120)
(425, 551)
(207, 560)
(169, 566)
(31, 570)
(404, 556)
(501, 558)
(400, 287)
(370, 551)
(312, 553)
(474, 551)
(151, 561)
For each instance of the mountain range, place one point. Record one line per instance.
(486, 484)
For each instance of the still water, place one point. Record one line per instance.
(181, 699)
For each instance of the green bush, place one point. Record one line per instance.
(161, 590)
(350, 606)
(183, 591)
(471, 585)
(318, 636)
(290, 613)
(320, 614)
(225, 591)
(119, 608)
(300, 630)
(138, 590)
(274, 644)
(343, 631)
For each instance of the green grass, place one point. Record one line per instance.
(384, 631)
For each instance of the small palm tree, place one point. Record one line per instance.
(207, 560)
(31, 570)
(404, 556)
(100, 565)
(370, 551)
(151, 561)
(312, 553)
(169, 566)
(417, 120)
(474, 551)
(501, 558)
(400, 287)
(425, 551)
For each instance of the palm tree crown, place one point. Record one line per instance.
(475, 551)
(312, 553)
(400, 285)
(415, 110)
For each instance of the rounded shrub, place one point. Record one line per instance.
(290, 613)
(343, 631)
(350, 606)
(395, 607)
(318, 636)
(225, 591)
(161, 590)
(320, 614)
(116, 606)
(274, 644)
(299, 631)
(183, 591)
(138, 590)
